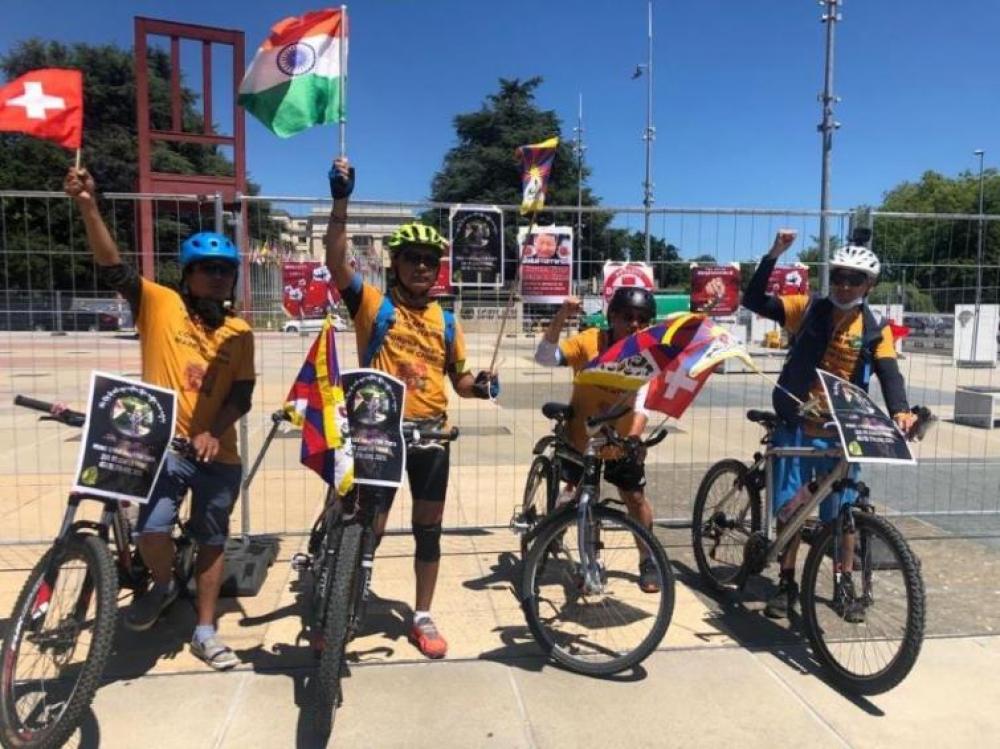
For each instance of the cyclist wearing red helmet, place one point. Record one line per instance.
(194, 344)
(630, 308)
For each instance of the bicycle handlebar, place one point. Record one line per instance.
(413, 433)
(67, 416)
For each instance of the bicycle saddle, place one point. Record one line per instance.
(560, 411)
(767, 418)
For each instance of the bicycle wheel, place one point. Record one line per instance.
(870, 640)
(539, 496)
(726, 512)
(344, 563)
(606, 626)
(57, 643)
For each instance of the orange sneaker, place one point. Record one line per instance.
(426, 637)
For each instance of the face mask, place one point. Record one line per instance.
(846, 305)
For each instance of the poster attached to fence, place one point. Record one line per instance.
(375, 411)
(715, 289)
(442, 284)
(307, 289)
(617, 274)
(476, 246)
(786, 280)
(125, 438)
(866, 432)
(546, 263)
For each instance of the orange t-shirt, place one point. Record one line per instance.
(590, 400)
(198, 364)
(413, 351)
(841, 356)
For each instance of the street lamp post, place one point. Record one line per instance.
(649, 134)
(826, 127)
(578, 149)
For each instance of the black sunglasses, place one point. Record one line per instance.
(847, 278)
(216, 268)
(638, 317)
(417, 257)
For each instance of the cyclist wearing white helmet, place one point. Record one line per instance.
(841, 334)
(194, 344)
(408, 334)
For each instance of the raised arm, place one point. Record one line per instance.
(547, 353)
(335, 241)
(80, 186)
(756, 299)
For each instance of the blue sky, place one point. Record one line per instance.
(735, 95)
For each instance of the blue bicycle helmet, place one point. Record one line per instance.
(208, 245)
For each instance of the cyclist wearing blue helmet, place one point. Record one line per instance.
(193, 343)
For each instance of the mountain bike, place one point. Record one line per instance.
(341, 554)
(868, 640)
(579, 587)
(60, 632)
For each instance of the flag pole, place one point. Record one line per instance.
(343, 81)
(513, 289)
(78, 159)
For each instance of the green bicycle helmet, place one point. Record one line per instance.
(418, 234)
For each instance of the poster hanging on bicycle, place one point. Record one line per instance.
(125, 438)
(866, 432)
(375, 411)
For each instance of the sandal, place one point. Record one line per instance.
(215, 653)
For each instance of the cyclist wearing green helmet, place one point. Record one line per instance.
(420, 344)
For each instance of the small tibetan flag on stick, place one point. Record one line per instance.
(297, 79)
(536, 165)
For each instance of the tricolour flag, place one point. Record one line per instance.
(295, 80)
(536, 165)
(316, 404)
(46, 104)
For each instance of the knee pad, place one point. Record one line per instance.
(428, 538)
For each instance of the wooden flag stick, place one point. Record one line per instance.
(78, 158)
(513, 290)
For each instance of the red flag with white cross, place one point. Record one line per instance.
(45, 104)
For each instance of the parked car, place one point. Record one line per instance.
(312, 325)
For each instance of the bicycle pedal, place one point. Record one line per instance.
(301, 562)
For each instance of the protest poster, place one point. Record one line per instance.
(715, 289)
(546, 263)
(786, 280)
(375, 403)
(125, 438)
(617, 274)
(866, 432)
(477, 245)
(307, 290)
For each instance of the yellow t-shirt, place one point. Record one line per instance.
(197, 364)
(590, 400)
(413, 351)
(841, 356)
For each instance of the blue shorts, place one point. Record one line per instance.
(214, 488)
(792, 472)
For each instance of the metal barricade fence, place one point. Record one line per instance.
(45, 259)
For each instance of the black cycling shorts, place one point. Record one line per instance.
(624, 474)
(427, 470)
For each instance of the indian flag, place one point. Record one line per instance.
(296, 79)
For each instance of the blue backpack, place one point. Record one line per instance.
(385, 318)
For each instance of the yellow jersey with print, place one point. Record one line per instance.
(591, 400)
(198, 364)
(841, 355)
(413, 351)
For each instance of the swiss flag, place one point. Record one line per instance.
(46, 104)
(673, 389)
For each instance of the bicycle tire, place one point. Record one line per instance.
(880, 547)
(100, 577)
(539, 496)
(339, 608)
(566, 649)
(724, 576)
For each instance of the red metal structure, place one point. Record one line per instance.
(166, 183)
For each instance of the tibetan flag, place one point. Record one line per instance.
(45, 104)
(536, 165)
(296, 79)
(316, 404)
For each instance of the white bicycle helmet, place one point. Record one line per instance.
(856, 257)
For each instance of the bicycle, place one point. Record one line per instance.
(341, 554)
(579, 587)
(732, 538)
(64, 617)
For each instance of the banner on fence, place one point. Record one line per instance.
(476, 246)
(308, 293)
(125, 438)
(375, 403)
(442, 284)
(788, 279)
(866, 432)
(617, 274)
(546, 263)
(715, 289)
